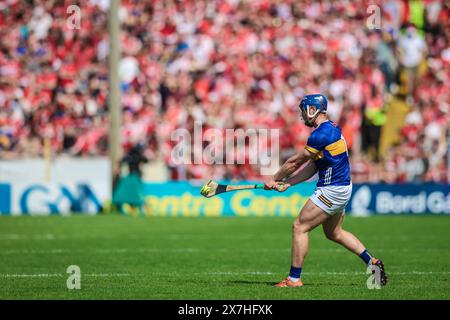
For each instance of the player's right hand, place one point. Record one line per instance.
(281, 186)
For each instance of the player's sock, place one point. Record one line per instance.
(366, 256)
(294, 274)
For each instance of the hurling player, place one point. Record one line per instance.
(325, 153)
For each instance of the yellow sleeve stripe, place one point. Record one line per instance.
(318, 156)
(337, 147)
(311, 149)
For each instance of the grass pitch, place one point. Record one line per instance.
(122, 257)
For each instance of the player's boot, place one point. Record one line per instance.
(288, 283)
(380, 265)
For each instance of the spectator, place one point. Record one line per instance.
(412, 50)
(230, 64)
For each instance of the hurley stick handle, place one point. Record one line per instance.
(243, 187)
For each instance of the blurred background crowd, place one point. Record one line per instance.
(231, 64)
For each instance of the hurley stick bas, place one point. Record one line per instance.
(212, 188)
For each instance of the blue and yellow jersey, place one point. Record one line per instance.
(328, 146)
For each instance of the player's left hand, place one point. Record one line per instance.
(269, 184)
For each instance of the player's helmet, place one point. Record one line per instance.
(318, 101)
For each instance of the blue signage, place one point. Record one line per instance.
(400, 199)
(5, 198)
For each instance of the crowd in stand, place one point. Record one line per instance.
(229, 64)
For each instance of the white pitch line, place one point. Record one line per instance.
(257, 273)
(111, 275)
(106, 251)
(328, 273)
(152, 250)
(230, 273)
(389, 273)
(35, 275)
(187, 250)
(60, 275)
(180, 237)
(50, 236)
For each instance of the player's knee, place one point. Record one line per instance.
(298, 227)
(333, 235)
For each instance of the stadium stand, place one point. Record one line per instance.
(231, 64)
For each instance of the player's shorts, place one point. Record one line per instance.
(332, 199)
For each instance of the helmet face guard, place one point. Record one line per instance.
(309, 115)
(311, 106)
